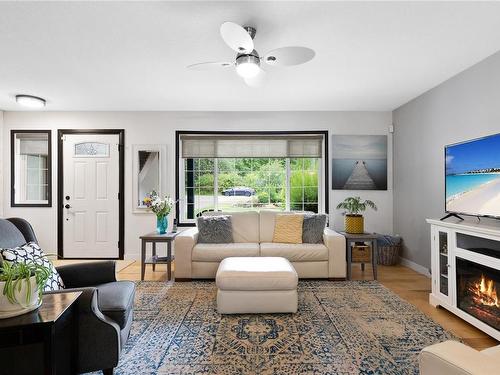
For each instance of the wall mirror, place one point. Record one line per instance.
(148, 173)
(31, 177)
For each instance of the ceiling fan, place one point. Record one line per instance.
(247, 61)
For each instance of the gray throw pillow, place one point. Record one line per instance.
(313, 227)
(215, 229)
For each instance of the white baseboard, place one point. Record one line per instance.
(132, 255)
(415, 267)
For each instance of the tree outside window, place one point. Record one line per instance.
(240, 184)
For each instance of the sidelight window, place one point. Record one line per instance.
(30, 163)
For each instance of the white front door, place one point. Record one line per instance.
(90, 196)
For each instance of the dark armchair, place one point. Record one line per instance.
(105, 308)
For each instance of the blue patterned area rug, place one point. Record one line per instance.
(356, 327)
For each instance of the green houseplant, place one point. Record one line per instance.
(21, 287)
(353, 218)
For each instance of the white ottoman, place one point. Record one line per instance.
(256, 285)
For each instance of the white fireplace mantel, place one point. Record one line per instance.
(468, 226)
(444, 252)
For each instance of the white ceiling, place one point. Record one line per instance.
(132, 56)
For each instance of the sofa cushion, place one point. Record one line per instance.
(215, 252)
(116, 300)
(288, 228)
(267, 218)
(245, 225)
(313, 228)
(305, 252)
(241, 273)
(215, 229)
(494, 351)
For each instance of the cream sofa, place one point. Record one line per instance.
(454, 358)
(253, 237)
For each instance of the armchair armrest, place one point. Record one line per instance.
(85, 274)
(99, 342)
(183, 247)
(336, 253)
(455, 358)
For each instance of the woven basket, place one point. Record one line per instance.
(389, 255)
(361, 254)
(354, 224)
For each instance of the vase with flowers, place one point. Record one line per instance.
(161, 207)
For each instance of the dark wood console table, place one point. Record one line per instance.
(43, 341)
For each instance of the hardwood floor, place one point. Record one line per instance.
(408, 284)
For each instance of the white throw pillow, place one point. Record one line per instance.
(33, 253)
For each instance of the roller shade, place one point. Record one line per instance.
(300, 146)
(33, 147)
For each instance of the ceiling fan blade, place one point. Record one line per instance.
(257, 81)
(210, 65)
(287, 56)
(236, 37)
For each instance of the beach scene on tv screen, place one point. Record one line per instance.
(473, 177)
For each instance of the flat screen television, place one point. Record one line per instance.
(473, 177)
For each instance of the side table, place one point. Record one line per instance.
(155, 238)
(43, 341)
(351, 239)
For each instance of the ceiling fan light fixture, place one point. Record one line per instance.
(248, 62)
(30, 101)
(247, 66)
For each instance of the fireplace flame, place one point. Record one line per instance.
(485, 293)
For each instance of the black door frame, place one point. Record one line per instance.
(121, 181)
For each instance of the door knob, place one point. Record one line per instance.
(67, 206)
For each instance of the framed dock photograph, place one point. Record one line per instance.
(359, 162)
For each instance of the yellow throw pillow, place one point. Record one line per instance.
(288, 228)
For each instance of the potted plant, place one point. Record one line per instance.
(353, 206)
(21, 287)
(161, 207)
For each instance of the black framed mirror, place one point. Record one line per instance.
(31, 172)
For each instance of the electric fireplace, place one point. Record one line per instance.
(465, 266)
(478, 291)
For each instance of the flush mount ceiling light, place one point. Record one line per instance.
(30, 101)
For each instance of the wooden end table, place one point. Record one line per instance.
(155, 238)
(43, 341)
(351, 239)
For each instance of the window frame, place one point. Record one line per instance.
(323, 193)
(13, 168)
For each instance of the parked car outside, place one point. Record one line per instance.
(239, 190)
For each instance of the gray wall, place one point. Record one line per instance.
(464, 107)
(1, 161)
